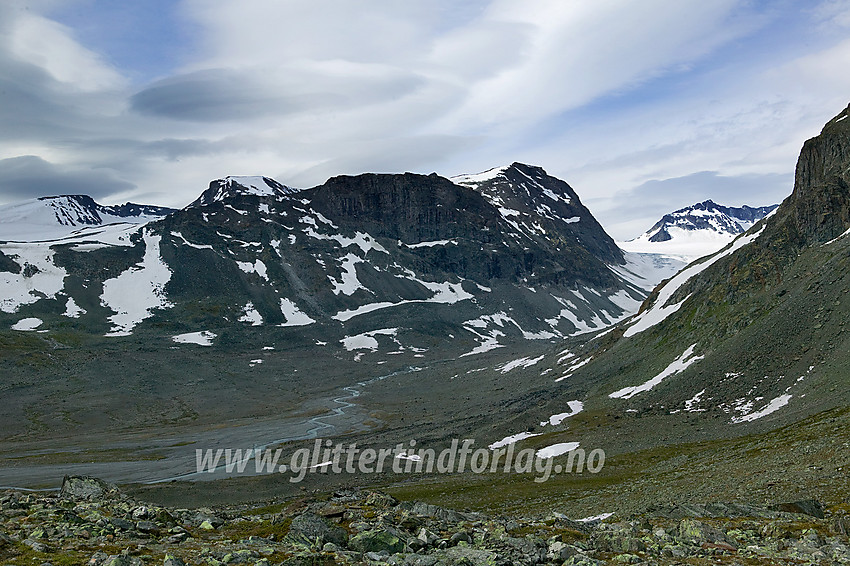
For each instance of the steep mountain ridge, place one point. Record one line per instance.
(524, 192)
(752, 336)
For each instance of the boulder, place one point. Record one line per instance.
(376, 541)
(310, 528)
(811, 507)
(693, 531)
(85, 487)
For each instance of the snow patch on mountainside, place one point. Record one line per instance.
(251, 314)
(556, 450)
(513, 439)
(190, 244)
(774, 405)
(444, 293)
(525, 362)
(575, 408)
(203, 338)
(431, 244)
(362, 240)
(39, 277)
(676, 366)
(367, 340)
(134, 294)
(27, 324)
(257, 267)
(293, 315)
(72, 310)
(348, 283)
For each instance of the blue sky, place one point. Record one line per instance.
(146, 40)
(643, 107)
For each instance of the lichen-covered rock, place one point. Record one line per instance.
(693, 531)
(85, 487)
(377, 541)
(310, 528)
(469, 556)
(810, 507)
(63, 530)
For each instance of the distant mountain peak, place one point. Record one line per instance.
(73, 210)
(54, 216)
(242, 185)
(697, 230)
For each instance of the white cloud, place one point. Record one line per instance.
(579, 51)
(50, 46)
(616, 97)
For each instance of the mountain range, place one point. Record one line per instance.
(177, 319)
(489, 306)
(251, 250)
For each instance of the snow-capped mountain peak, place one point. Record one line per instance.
(476, 178)
(707, 215)
(73, 210)
(237, 185)
(697, 230)
(57, 216)
(528, 177)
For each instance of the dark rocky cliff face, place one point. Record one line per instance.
(411, 208)
(505, 228)
(821, 197)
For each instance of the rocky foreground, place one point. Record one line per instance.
(91, 522)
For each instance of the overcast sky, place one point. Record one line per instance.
(643, 107)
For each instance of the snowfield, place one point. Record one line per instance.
(134, 294)
(678, 365)
(556, 450)
(660, 309)
(203, 338)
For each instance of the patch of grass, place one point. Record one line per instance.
(267, 509)
(20, 553)
(265, 529)
(550, 531)
(88, 456)
(714, 470)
